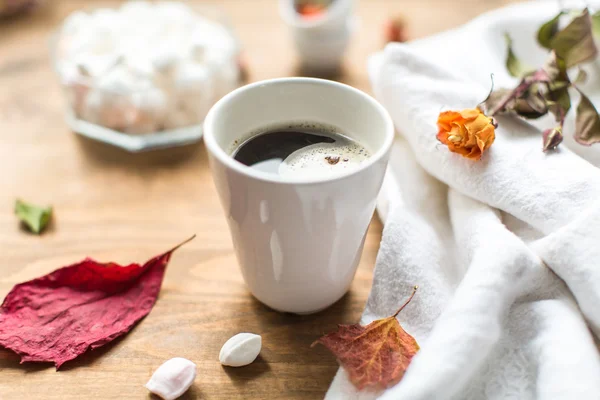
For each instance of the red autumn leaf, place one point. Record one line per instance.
(375, 356)
(59, 316)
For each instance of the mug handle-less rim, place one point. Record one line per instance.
(217, 151)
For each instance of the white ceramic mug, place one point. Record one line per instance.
(298, 240)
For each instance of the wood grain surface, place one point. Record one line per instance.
(116, 206)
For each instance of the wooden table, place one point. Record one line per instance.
(121, 207)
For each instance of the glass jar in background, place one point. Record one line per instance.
(144, 75)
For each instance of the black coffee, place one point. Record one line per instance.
(300, 151)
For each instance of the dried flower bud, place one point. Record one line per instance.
(173, 378)
(395, 30)
(552, 138)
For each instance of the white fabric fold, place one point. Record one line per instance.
(504, 250)
(544, 190)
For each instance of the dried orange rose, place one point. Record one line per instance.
(468, 132)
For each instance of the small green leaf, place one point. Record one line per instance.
(596, 23)
(36, 218)
(575, 44)
(581, 77)
(557, 96)
(514, 66)
(559, 103)
(556, 69)
(560, 94)
(548, 30)
(587, 122)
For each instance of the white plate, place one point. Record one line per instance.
(136, 143)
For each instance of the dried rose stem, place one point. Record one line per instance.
(502, 104)
(181, 244)
(519, 90)
(537, 76)
(407, 301)
(562, 119)
(560, 109)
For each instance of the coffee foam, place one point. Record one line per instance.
(318, 128)
(324, 159)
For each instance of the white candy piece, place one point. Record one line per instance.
(151, 106)
(137, 9)
(175, 12)
(240, 350)
(75, 22)
(193, 90)
(173, 378)
(226, 79)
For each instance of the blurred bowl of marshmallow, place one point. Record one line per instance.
(144, 75)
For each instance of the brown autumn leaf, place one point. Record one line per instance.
(555, 69)
(375, 356)
(575, 43)
(587, 122)
(514, 66)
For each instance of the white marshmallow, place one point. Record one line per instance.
(136, 9)
(111, 110)
(75, 22)
(110, 102)
(141, 68)
(175, 12)
(75, 88)
(241, 349)
(165, 57)
(121, 79)
(173, 378)
(152, 107)
(192, 76)
(194, 90)
(178, 118)
(95, 65)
